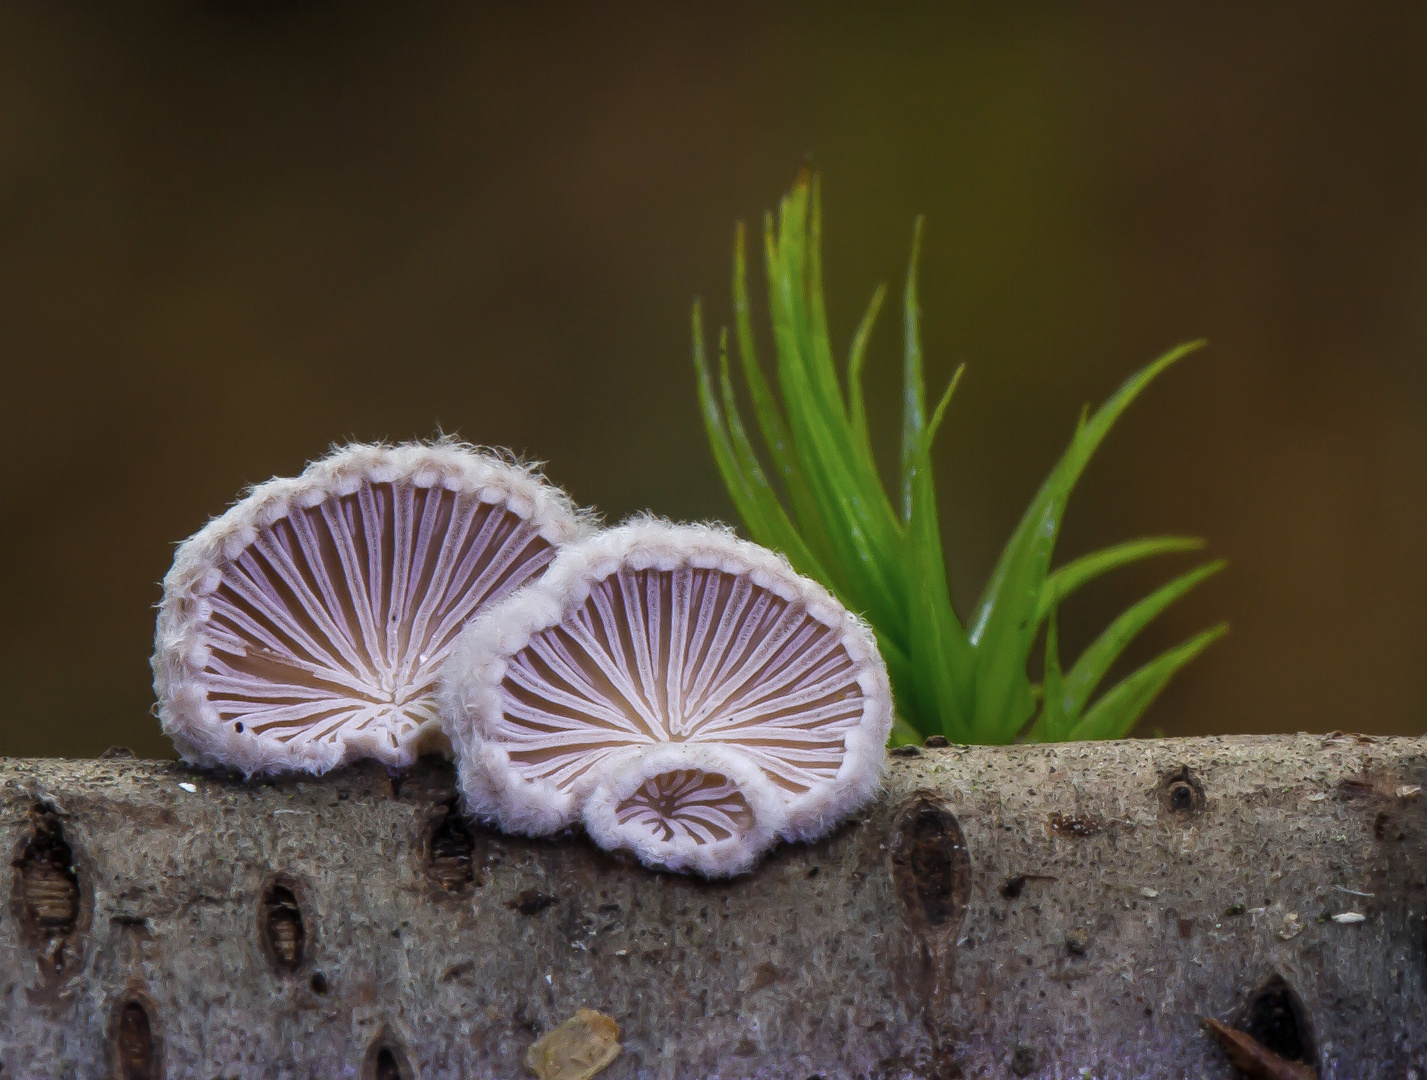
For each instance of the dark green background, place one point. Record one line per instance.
(232, 234)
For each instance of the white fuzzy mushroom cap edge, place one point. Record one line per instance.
(180, 652)
(471, 698)
(623, 775)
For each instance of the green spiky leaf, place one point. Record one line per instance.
(1095, 661)
(881, 552)
(1117, 712)
(1079, 572)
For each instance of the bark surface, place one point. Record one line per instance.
(1048, 911)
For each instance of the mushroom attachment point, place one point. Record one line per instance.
(682, 692)
(307, 625)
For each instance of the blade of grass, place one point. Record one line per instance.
(1058, 485)
(1075, 574)
(790, 267)
(856, 359)
(1052, 722)
(774, 521)
(914, 403)
(942, 662)
(875, 579)
(1003, 692)
(734, 479)
(1005, 622)
(819, 341)
(752, 496)
(900, 672)
(795, 240)
(861, 465)
(1102, 653)
(765, 407)
(770, 419)
(1117, 712)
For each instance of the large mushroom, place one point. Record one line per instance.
(307, 625)
(683, 692)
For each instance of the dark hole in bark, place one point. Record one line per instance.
(532, 902)
(1023, 1061)
(134, 1046)
(450, 851)
(1384, 828)
(1014, 886)
(1276, 1018)
(386, 1066)
(1356, 789)
(386, 1060)
(318, 983)
(283, 928)
(1181, 793)
(930, 865)
(48, 885)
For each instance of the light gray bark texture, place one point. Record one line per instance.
(1046, 911)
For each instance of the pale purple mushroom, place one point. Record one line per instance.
(686, 807)
(306, 626)
(684, 693)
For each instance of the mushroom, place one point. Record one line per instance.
(684, 806)
(683, 692)
(307, 625)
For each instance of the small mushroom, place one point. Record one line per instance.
(684, 691)
(306, 626)
(685, 807)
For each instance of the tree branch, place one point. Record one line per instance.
(1027, 911)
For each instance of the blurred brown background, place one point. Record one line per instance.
(234, 233)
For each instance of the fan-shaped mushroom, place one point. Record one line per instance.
(306, 626)
(684, 691)
(685, 806)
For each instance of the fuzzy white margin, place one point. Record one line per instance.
(621, 775)
(180, 648)
(471, 698)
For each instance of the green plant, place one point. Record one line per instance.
(882, 554)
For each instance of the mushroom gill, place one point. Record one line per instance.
(684, 808)
(307, 625)
(682, 641)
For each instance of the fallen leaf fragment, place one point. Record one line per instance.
(1252, 1058)
(1409, 791)
(1292, 927)
(576, 1050)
